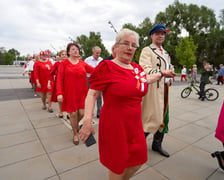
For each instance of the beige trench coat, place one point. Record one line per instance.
(152, 60)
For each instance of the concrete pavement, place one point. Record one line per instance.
(37, 145)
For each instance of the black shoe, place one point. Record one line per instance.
(157, 144)
(217, 154)
(68, 116)
(98, 116)
(202, 99)
(161, 151)
(60, 116)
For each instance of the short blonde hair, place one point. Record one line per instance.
(125, 31)
(60, 52)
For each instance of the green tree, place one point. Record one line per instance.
(185, 52)
(8, 58)
(14, 52)
(195, 21)
(144, 40)
(87, 43)
(221, 17)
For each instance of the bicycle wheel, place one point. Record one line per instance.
(211, 94)
(186, 92)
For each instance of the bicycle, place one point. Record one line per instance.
(211, 94)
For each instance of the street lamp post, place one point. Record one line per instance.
(112, 26)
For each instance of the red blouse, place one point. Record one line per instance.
(72, 84)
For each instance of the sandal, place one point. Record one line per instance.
(50, 110)
(44, 107)
(76, 141)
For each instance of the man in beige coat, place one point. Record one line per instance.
(154, 59)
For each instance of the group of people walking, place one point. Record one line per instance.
(136, 97)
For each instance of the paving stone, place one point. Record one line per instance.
(190, 133)
(190, 163)
(38, 168)
(93, 170)
(74, 157)
(149, 174)
(20, 152)
(17, 138)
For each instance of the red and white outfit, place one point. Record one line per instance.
(121, 138)
(72, 84)
(30, 68)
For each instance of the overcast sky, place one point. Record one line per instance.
(33, 25)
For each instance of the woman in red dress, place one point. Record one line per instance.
(42, 69)
(122, 145)
(54, 73)
(220, 136)
(72, 86)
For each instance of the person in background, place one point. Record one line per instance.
(30, 68)
(205, 73)
(183, 73)
(54, 72)
(112, 56)
(93, 61)
(122, 145)
(194, 73)
(71, 86)
(155, 106)
(219, 134)
(48, 56)
(220, 74)
(42, 69)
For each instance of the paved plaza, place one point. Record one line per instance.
(37, 145)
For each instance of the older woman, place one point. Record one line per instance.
(122, 145)
(42, 69)
(54, 72)
(72, 86)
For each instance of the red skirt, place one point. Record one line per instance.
(32, 79)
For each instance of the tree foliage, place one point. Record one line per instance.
(87, 43)
(142, 30)
(185, 52)
(8, 58)
(197, 22)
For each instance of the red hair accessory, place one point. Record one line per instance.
(42, 53)
(167, 31)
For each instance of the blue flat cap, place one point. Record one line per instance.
(158, 27)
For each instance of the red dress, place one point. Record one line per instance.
(72, 84)
(122, 141)
(42, 73)
(220, 126)
(54, 74)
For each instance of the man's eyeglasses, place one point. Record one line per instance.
(127, 44)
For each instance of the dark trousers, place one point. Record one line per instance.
(202, 89)
(219, 80)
